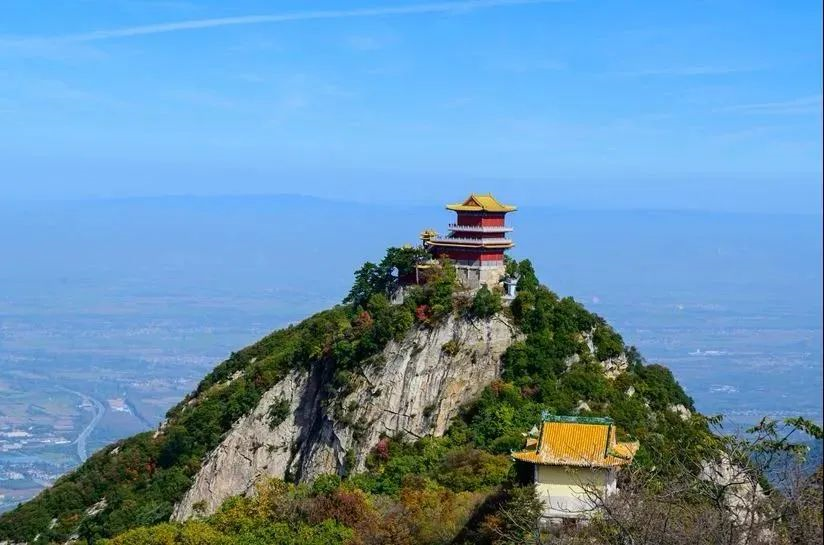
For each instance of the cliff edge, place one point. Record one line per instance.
(413, 388)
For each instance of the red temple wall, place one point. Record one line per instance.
(478, 235)
(497, 220)
(492, 256)
(477, 219)
(465, 218)
(458, 255)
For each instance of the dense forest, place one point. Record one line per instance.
(459, 488)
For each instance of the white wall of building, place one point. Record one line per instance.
(563, 489)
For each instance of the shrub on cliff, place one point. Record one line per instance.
(486, 303)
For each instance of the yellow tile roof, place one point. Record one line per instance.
(578, 443)
(480, 203)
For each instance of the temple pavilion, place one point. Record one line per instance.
(476, 241)
(571, 457)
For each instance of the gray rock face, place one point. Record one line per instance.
(681, 411)
(612, 366)
(413, 388)
(743, 497)
(615, 366)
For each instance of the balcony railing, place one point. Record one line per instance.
(473, 241)
(480, 228)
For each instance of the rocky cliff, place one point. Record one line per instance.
(414, 387)
(316, 398)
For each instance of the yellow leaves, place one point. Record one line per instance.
(435, 514)
(163, 534)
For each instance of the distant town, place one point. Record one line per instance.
(47, 427)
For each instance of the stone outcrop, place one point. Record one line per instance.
(413, 388)
(682, 412)
(612, 366)
(743, 497)
(615, 366)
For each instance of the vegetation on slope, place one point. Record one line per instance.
(142, 477)
(436, 490)
(327, 513)
(447, 496)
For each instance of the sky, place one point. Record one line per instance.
(713, 105)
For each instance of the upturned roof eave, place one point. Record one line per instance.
(532, 458)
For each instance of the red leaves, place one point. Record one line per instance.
(497, 386)
(363, 321)
(529, 391)
(382, 449)
(348, 507)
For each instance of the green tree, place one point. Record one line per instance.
(486, 303)
(528, 280)
(404, 259)
(369, 279)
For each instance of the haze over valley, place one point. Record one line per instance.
(111, 311)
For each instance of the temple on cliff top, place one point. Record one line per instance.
(476, 241)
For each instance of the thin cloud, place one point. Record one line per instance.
(198, 24)
(688, 71)
(251, 77)
(205, 99)
(6, 106)
(796, 106)
(523, 66)
(48, 49)
(364, 43)
(36, 90)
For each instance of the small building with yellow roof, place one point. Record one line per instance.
(570, 457)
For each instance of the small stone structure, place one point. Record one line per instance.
(510, 284)
(475, 276)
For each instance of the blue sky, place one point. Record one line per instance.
(708, 105)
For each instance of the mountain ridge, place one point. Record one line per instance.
(549, 364)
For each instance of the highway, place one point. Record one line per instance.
(82, 439)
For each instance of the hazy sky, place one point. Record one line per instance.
(714, 104)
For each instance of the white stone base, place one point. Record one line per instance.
(474, 276)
